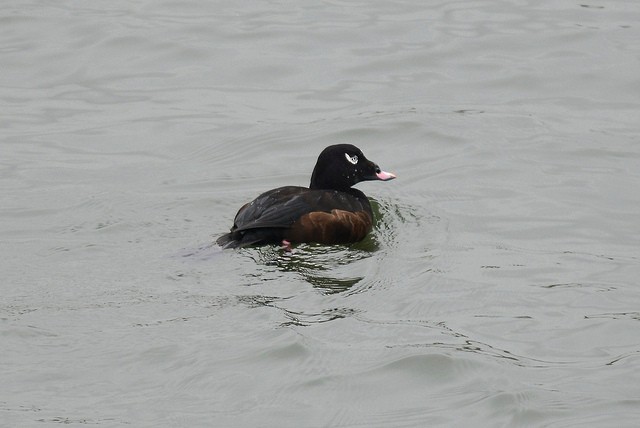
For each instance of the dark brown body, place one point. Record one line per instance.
(336, 227)
(300, 214)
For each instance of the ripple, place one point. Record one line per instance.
(498, 286)
(328, 268)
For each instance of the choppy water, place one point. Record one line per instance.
(499, 287)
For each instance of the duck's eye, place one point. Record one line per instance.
(352, 159)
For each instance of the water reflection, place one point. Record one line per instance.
(302, 319)
(318, 264)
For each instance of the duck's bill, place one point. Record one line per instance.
(385, 176)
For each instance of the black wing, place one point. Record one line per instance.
(277, 208)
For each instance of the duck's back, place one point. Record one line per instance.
(300, 214)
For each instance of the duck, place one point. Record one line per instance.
(330, 211)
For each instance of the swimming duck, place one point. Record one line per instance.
(329, 211)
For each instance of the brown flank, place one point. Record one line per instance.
(336, 227)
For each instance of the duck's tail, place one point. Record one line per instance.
(229, 240)
(250, 238)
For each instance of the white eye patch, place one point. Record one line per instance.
(352, 159)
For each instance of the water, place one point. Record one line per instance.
(499, 286)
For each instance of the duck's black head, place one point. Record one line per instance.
(341, 166)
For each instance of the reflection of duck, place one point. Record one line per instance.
(329, 211)
(329, 269)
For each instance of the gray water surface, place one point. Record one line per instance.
(498, 288)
